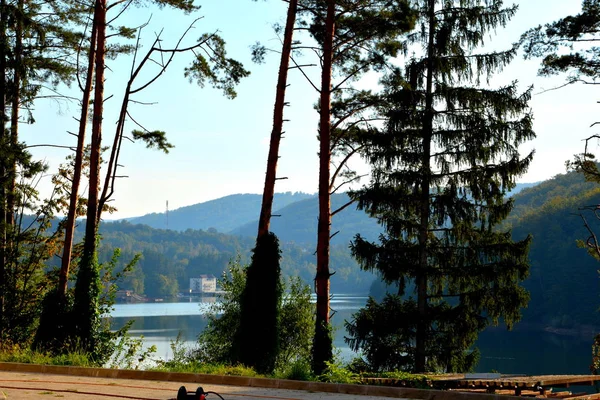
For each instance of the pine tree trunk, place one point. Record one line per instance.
(421, 276)
(3, 144)
(91, 226)
(269, 189)
(77, 169)
(322, 350)
(87, 287)
(14, 120)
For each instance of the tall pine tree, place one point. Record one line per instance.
(353, 37)
(440, 170)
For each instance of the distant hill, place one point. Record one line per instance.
(223, 214)
(298, 222)
(170, 258)
(564, 281)
(521, 186)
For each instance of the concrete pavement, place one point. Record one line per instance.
(27, 381)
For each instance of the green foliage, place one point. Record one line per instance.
(556, 41)
(257, 339)
(297, 370)
(17, 354)
(442, 166)
(129, 353)
(296, 326)
(378, 332)
(85, 314)
(335, 372)
(153, 139)
(220, 71)
(595, 366)
(55, 326)
(198, 367)
(216, 342)
(74, 323)
(30, 243)
(563, 278)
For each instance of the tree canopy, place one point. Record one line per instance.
(441, 167)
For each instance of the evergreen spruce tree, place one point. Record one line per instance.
(440, 170)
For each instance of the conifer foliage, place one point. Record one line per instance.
(555, 43)
(441, 167)
(260, 305)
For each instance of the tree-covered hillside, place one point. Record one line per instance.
(238, 214)
(223, 214)
(298, 222)
(170, 258)
(563, 282)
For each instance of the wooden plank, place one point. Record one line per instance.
(584, 396)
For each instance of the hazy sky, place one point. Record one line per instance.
(221, 145)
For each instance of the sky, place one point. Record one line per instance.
(221, 145)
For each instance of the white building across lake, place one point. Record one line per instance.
(203, 284)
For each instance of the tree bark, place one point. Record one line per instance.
(270, 177)
(14, 118)
(4, 144)
(93, 213)
(77, 169)
(421, 276)
(322, 349)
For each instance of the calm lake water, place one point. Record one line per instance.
(517, 352)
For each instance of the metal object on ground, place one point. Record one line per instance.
(183, 394)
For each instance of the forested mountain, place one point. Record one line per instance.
(170, 258)
(298, 222)
(564, 282)
(223, 214)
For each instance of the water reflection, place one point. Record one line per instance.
(520, 351)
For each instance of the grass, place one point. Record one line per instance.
(209, 369)
(299, 370)
(28, 356)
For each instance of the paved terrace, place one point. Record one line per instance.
(27, 381)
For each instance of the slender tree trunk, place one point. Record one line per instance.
(3, 163)
(14, 119)
(77, 169)
(269, 189)
(91, 225)
(322, 343)
(87, 287)
(421, 277)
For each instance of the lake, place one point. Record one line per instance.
(520, 351)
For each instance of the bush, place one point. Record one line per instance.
(298, 370)
(215, 343)
(335, 372)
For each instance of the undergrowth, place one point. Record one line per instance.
(28, 356)
(131, 354)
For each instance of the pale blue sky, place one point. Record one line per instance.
(221, 145)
